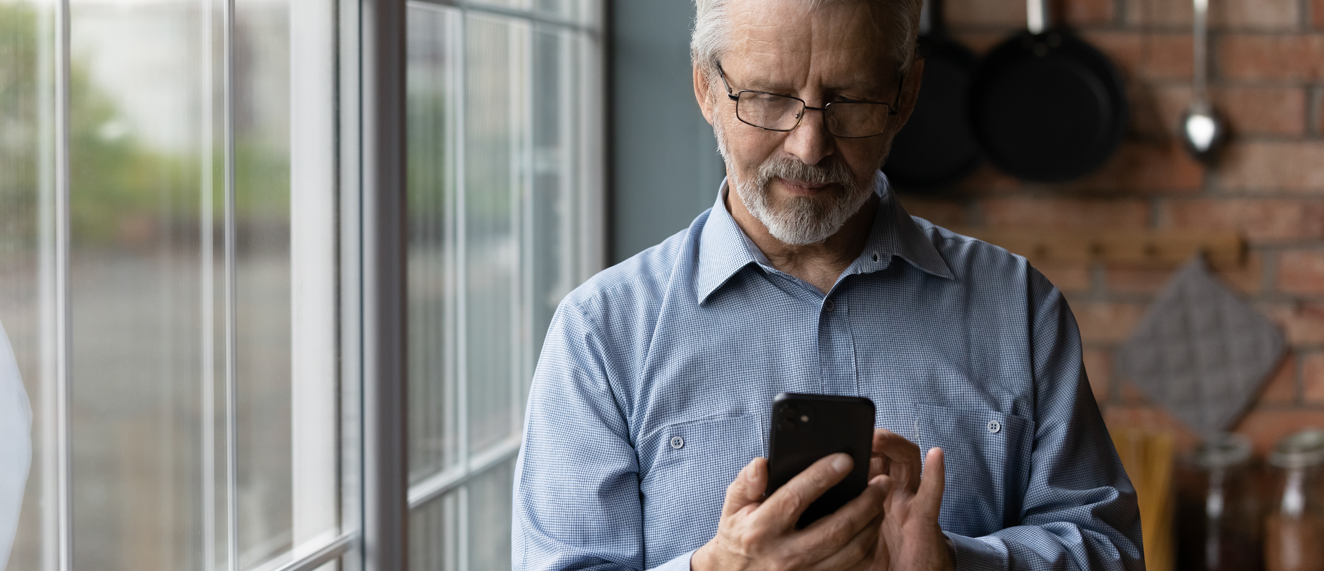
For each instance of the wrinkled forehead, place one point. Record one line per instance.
(797, 41)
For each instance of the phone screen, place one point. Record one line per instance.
(807, 427)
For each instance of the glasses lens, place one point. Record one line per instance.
(857, 119)
(769, 111)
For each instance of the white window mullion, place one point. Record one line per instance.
(63, 319)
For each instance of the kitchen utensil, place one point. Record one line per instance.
(936, 147)
(1202, 129)
(1201, 351)
(1147, 458)
(1045, 106)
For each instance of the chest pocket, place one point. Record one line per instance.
(987, 456)
(687, 468)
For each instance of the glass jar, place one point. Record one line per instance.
(1294, 530)
(1218, 508)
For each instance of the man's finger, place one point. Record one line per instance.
(783, 507)
(902, 455)
(859, 553)
(929, 498)
(747, 488)
(838, 527)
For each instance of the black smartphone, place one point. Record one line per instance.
(804, 429)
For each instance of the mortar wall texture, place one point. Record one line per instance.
(1267, 78)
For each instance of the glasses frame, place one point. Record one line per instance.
(892, 108)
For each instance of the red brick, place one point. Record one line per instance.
(1301, 272)
(1312, 377)
(1257, 219)
(1103, 322)
(1276, 57)
(1236, 14)
(1099, 369)
(1146, 55)
(985, 13)
(1068, 277)
(1246, 278)
(1249, 110)
(1010, 14)
(1302, 322)
(1294, 166)
(1266, 426)
(1281, 386)
(1078, 13)
(943, 212)
(1146, 167)
(1065, 213)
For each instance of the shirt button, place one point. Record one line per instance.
(829, 305)
(677, 442)
(994, 426)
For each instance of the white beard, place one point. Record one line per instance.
(800, 220)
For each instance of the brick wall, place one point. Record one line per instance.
(1267, 76)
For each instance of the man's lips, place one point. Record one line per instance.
(802, 188)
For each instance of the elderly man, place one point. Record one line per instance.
(649, 411)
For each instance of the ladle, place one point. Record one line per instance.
(1202, 129)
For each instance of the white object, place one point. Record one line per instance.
(15, 445)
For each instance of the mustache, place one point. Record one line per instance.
(829, 171)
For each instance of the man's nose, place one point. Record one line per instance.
(810, 141)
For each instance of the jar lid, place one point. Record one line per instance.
(1222, 451)
(1300, 450)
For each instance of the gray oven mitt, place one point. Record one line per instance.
(1201, 351)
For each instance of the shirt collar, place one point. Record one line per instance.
(724, 249)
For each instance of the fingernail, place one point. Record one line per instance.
(841, 463)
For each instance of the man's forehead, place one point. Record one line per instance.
(846, 40)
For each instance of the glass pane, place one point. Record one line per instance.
(554, 244)
(433, 535)
(497, 91)
(262, 277)
(489, 518)
(431, 215)
(136, 197)
(26, 288)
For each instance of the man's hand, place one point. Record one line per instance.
(911, 539)
(757, 533)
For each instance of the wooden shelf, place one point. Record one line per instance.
(1145, 248)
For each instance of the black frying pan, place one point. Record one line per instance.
(1045, 106)
(936, 147)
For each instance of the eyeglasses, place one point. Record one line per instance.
(782, 113)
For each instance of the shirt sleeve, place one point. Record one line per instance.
(1080, 509)
(576, 497)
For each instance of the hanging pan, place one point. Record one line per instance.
(936, 147)
(1045, 106)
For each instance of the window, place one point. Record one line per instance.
(504, 220)
(181, 269)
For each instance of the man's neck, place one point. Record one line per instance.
(820, 264)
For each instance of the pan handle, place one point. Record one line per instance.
(1036, 12)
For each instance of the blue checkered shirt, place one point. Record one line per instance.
(657, 376)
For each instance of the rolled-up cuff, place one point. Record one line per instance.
(978, 554)
(680, 563)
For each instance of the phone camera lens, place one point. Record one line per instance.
(787, 425)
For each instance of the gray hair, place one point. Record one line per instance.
(710, 30)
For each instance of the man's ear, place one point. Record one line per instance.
(910, 91)
(703, 94)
